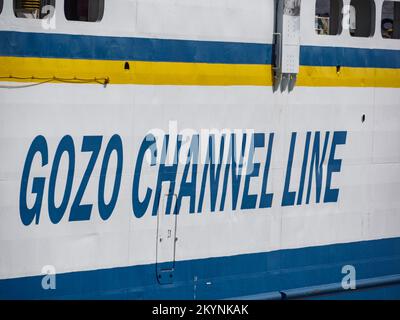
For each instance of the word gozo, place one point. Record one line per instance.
(215, 173)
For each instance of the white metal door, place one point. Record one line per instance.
(166, 238)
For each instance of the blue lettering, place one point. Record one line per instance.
(38, 146)
(253, 169)
(82, 212)
(289, 196)
(303, 169)
(167, 173)
(215, 172)
(188, 189)
(266, 198)
(334, 165)
(317, 165)
(140, 207)
(106, 209)
(237, 169)
(66, 146)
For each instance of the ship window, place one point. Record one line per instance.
(84, 10)
(390, 23)
(362, 18)
(33, 9)
(1, 6)
(328, 17)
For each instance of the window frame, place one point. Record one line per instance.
(40, 17)
(339, 18)
(381, 20)
(373, 18)
(102, 5)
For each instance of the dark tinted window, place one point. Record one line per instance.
(362, 18)
(390, 22)
(1, 6)
(328, 17)
(33, 9)
(84, 10)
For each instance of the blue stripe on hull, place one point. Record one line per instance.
(228, 277)
(26, 44)
(350, 57)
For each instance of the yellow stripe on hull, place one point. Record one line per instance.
(179, 73)
(311, 76)
(140, 72)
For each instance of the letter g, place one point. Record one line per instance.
(39, 145)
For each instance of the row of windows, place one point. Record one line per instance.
(361, 19)
(76, 10)
(328, 15)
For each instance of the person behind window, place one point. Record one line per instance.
(32, 9)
